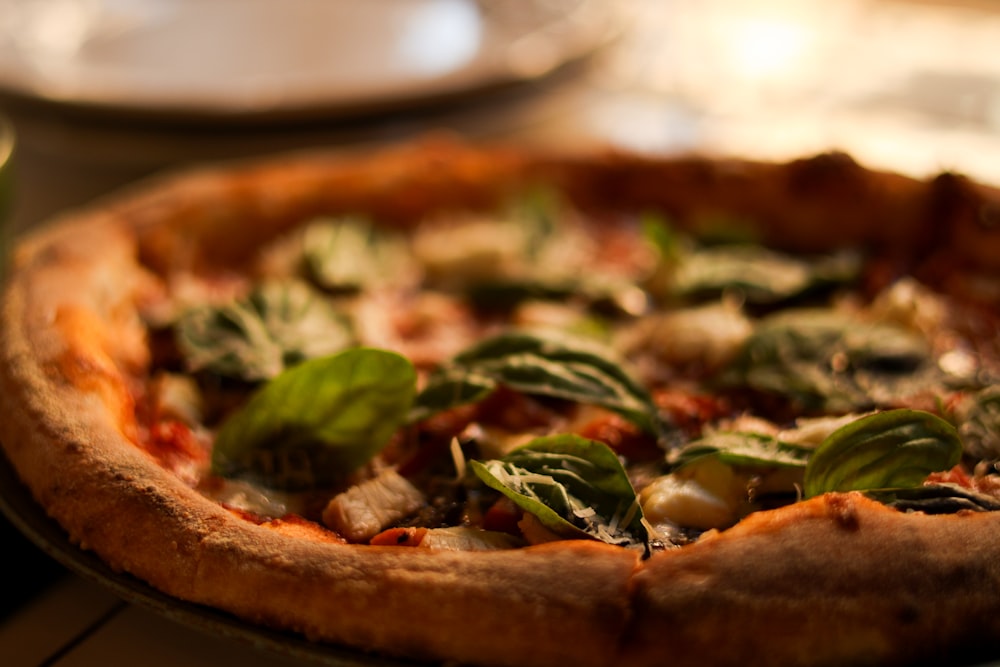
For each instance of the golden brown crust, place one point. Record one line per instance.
(835, 580)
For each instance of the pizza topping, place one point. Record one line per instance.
(317, 422)
(560, 367)
(426, 327)
(175, 396)
(758, 275)
(910, 304)
(252, 499)
(455, 538)
(675, 500)
(465, 251)
(179, 448)
(350, 254)
(812, 431)
(399, 537)
(742, 449)
(532, 369)
(366, 509)
(465, 538)
(257, 337)
(892, 449)
(937, 499)
(718, 479)
(573, 486)
(692, 341)
(979, 415)
(534, 239)
(827, 360)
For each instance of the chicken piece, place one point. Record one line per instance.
(364, 510)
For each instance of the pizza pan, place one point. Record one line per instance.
(27, 516)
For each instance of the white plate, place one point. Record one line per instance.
(238, 57)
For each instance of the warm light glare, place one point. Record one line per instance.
(58, 27)
(441, 36)
(766, 48)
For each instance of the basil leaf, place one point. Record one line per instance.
(576, 488)
(539, 211)
(661, 235)
(550, 365)
(602, 294)
(503, 293)
(318, 421)
(743, 449)
(547, 262)
(758, 274)
(826, 360)
(348, 254)
(277, 325)
(448, 389)
(892, 449)
(936, 499)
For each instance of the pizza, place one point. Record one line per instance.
(493, 405)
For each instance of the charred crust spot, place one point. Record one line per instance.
(843, 511)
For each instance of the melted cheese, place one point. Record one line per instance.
(684, 502)
(910, 304)
(468, 250)
(708, 335)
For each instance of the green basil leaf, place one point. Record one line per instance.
(660, 234)
(450, 389)
(605, 295)
(936, 499)
(555, 366)
(503, 293)
(763, 276)
(540, 212)
(892, 449)
(348, 254)
(758, 274)
(829, 361)
(548, 263)
(576, 487)
(277, 325)
(743, 450)
(318, 421)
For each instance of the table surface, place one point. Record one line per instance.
(908, 85)
(76, 622)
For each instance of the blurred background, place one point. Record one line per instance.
(104, 92)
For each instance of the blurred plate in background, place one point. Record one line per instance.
(253, 58)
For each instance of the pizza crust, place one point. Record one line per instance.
(838, 579)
